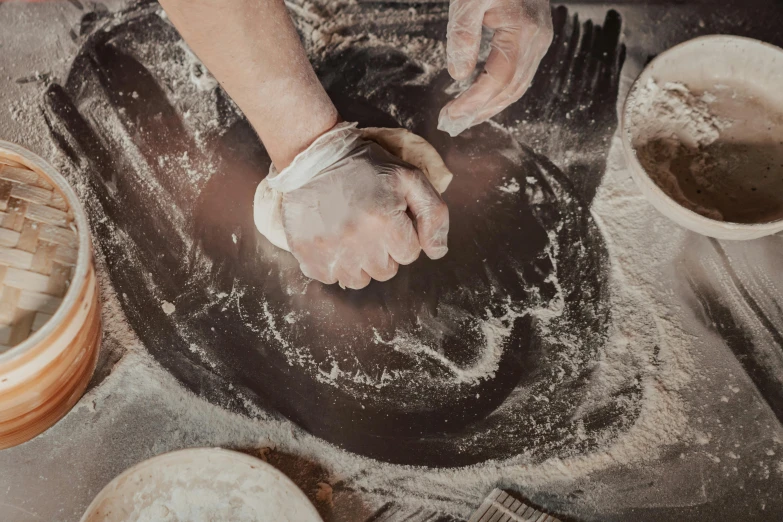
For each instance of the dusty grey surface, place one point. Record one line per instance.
(727, 298)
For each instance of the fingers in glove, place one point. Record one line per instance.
(382, 268)
(429, 211)
(316, 259)
(318, 271)
(463, 36)
(513, 92)
(500, 71)
(402, 242)
(353, 278)
(509, 71)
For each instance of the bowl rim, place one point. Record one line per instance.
(197, 452)
(769, 227)
(83, 256)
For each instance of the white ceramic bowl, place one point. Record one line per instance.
(201, 485)
(702, 64)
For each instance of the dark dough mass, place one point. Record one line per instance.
(484, 354)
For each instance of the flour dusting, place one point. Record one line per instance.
(136, 409)
(645, 350)
(512, 187)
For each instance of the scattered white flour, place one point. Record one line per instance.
(136, 410)
(326, 26)
(673, 112)
(200, 77)
(202, 355)
(512, 187)
(496, 331)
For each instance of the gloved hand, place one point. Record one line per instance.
(345, 210)
(523, 33)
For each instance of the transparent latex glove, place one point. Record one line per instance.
(354, 212)
(522, 35)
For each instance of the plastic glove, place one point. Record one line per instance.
(345, 210)
(523, 33)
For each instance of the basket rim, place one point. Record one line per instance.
(27, 158)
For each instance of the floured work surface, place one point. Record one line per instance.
(452, 362)
(622, 346)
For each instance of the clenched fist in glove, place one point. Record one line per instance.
(352, 212)
(347, 209)
(522, 35)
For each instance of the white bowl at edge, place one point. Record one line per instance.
(211, 473)
(700, 64)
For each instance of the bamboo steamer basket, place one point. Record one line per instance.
(50, 326)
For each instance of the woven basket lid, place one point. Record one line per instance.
(38, 251)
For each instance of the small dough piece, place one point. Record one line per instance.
(413, 149)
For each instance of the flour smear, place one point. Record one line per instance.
(647, 344)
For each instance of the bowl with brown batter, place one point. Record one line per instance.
(702, 130)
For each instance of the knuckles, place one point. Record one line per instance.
(365, 222)
(357, 282)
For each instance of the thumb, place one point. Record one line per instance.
(463, 36)
(430, 213)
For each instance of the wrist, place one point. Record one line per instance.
(293, 125)
(302, 134)
(327, 149)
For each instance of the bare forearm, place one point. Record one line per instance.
(253, 50)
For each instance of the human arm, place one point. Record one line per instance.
(253, 50)
(351, 211)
